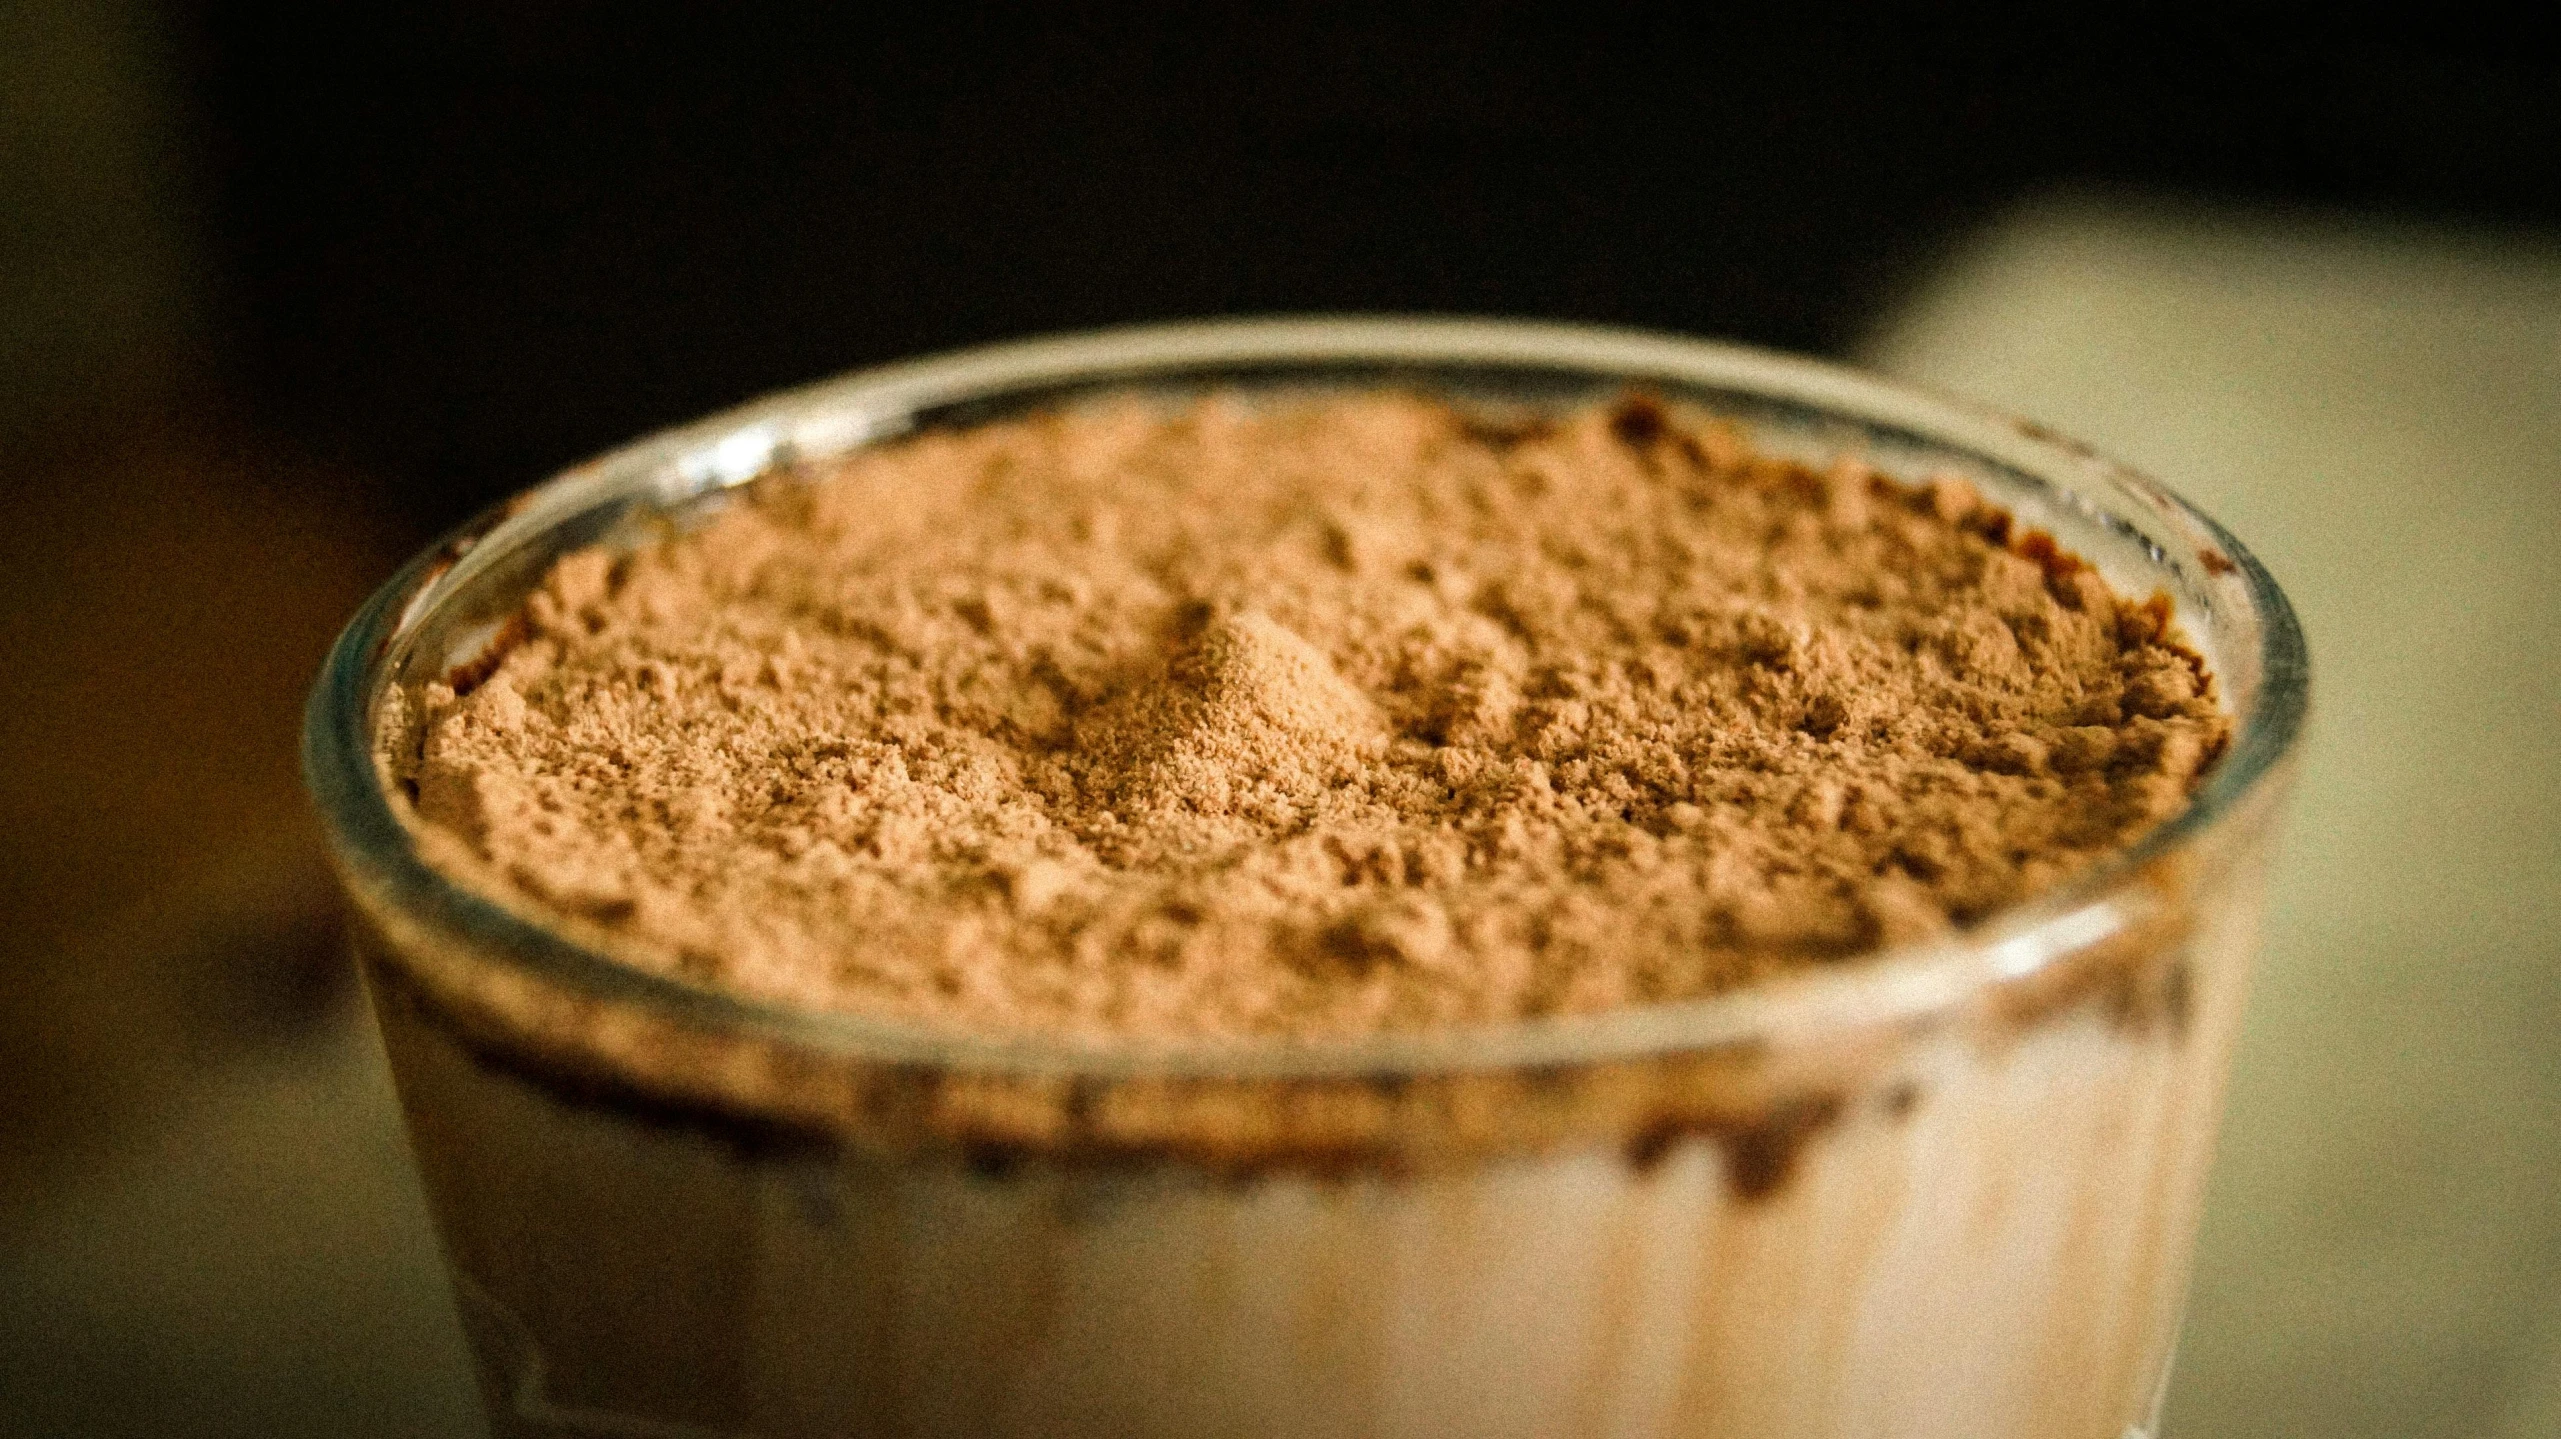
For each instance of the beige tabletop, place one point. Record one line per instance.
(2376, 410)
(210, 1224)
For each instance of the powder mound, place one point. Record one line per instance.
(1240, 732)
(1314, 716)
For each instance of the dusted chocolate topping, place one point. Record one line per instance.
(1310, 716)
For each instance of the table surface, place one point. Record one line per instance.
(227, 1238)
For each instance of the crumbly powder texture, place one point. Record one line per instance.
(1304, 717)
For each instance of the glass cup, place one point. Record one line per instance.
(1949, 1189)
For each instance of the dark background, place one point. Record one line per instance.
(286, 290)
(457, 245)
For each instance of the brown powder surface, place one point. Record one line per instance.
(1304, 716)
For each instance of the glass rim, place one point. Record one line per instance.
(380, 861)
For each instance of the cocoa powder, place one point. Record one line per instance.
(1303, 717)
